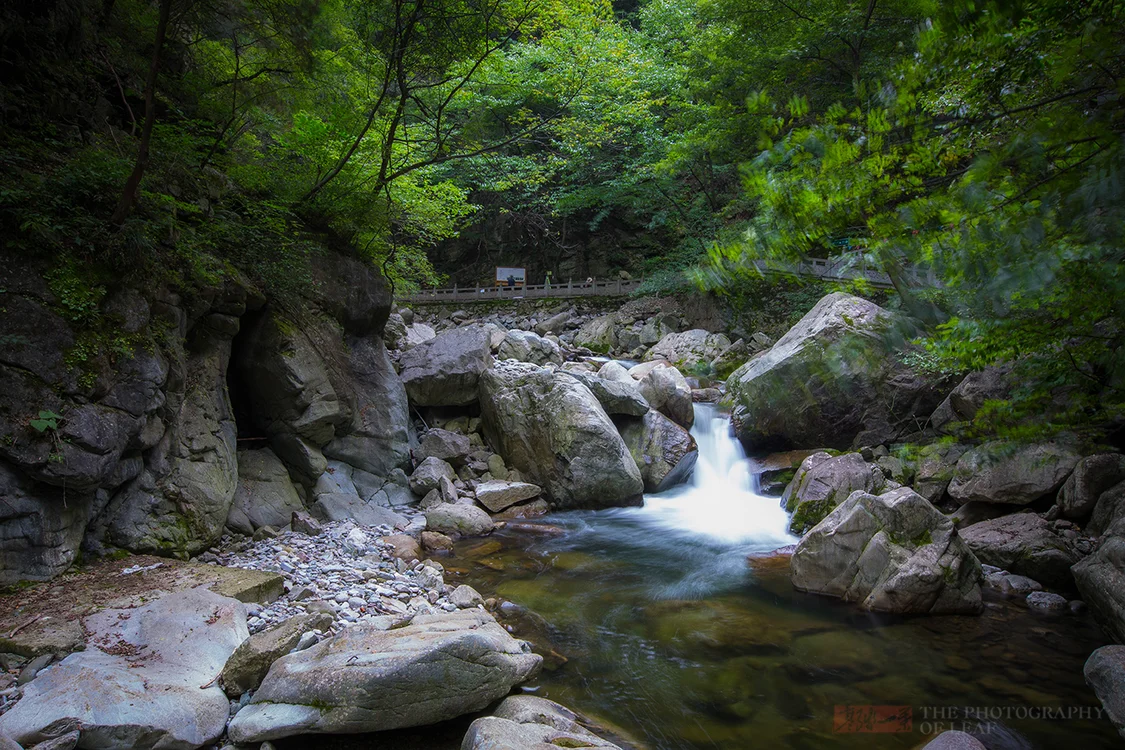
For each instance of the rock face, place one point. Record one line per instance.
(40, 532)
(265, 495)
(667, 391)
(368, 680)
(891, 553)
(525, 722)
(551, 428)
(822, 483)
(1105, 673)
(832, 380)
(143, 690)
(689, 349)
(1002, 472)
(445, 371)
(1101, 580)
(615, 396)
(1022, 543)
(1092, 476)
(525, 346)
(665, 452)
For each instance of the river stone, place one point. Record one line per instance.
(1022, 543)
(445, 371)
(1046, 601)
(465, 597)
(1011, 473)
(954, 739)
(265, 495)
(1105, 673)
(455, 518)
(496, 495)
(525, 722)
(366, 679)
(250, 662)
(689, 349)
(834, 379)
(615, 396)
(428, 475)
(891, 553)
(552, 429)
(664, 452)
(147, 694)
(404, 547)
(667, 391)
(525, 346)
(444, 445)
(616, 372)
(1101, 580)
(823, 482)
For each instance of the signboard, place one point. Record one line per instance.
(514, 276)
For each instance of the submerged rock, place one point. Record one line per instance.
(368, 679)
(891, 553)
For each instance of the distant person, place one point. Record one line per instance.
(589, 279)
(511, 281)
(547, 282)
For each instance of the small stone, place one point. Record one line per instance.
(1047, 602)
(433, 541)
(465, 597)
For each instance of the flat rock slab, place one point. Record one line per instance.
(139, 683)
(45, 617)
(367, 679)
(496, 495)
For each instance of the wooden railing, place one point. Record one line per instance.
(841, 268)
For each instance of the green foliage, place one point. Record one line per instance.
(46, 420)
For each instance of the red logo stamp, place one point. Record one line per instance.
(872, 719)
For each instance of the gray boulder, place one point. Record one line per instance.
(616, 372)
(1101, 581)
(598, 334)
(427, 475)
(365, 679)
(525, 346)
(444, 445)
(835, 379)
(525, 722)
(965, 400)
(556, 323)
(891, 553)
(1092, 476)
(265, 495)
(935, 468)
(1109, 508)
(417, 333)
(145, 689)
(822, 483)
(615, 396)
(394, 333)
(554, 431)
(1022, 543)
(689, 349)
(664, 452)
(250, 662)
(496, 495)
(458, 519)
(1012, 473)
(667, 391)
(1105, 673)
(445, 371)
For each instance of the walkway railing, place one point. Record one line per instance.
(840, 268)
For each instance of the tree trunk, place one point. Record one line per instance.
(133, 184)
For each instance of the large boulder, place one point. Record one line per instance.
(350, 290)
(834, 380)
(250, 662)
(1022, 543)
(667, 391)
(615, 396)
(444, 445)
(1092, 476)
(429, 473)
(823, 482)
(665, 452)
(525, 346)
(1012, 473)
(366, 679)
(497, 494)
(935, 468)
(689, 349)
(445, 371)
(892, 553)
(146, 680)
(1101, 581)
(457, 519)
(265, 495)
(966, 399)
(553, 430)
(525, 722)
(417, 333)
(1105, 673)
(597, 334)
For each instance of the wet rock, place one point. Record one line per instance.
(265, 495)
(1011, 473)
(138, 685)
(250, 662)
(615, 396)
(664, 452)
(1092, 476)
(823, 482)
(553, 430)
(1022, 543)
(530, 723)
(445, 371)
(462, 520)
(428, 474)
(496, 495)
(667, 391)
(1105, 673)
(365, 679)
(892, 553)
(1047, 602)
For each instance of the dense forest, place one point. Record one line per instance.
(182, 140)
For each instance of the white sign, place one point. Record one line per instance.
(516, 275)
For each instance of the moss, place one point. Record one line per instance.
(809, 514)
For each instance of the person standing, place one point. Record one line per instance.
(547, 283)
